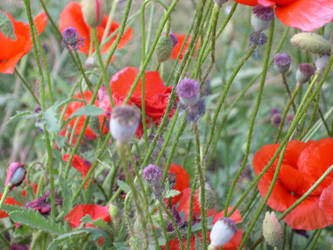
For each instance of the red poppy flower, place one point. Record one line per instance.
(12, 50)
(94, 211)
(179, 44)
(302, 14)
(181, 182)
(8, 201)
(72, 16)
(80, 165)
(303, 163)
(233, 244)
(76, 105)
(156, 94)
(184, 204)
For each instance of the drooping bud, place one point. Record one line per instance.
(271, 229)
(311, 42)
(164, 49)
(188, 91)
(15, 174)
(124, 122)
(282, 62)
(321, 62)
(261, 18)
(304, 72)
(71, 38)
(222, 232)
(276, 119)
(93, 12)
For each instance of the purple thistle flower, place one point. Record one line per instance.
(257, 39)
(173, 39)
(152, 174)
(15, 246)
(261, 17)
(274, 111)
(282, 62)
(304, 72)
(71, 38)
(276, 119)
(195, 111)
(188, 91)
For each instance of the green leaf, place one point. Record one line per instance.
(123, 186)
(51, 120)
(54, 244)
(34, 219)
(23, 114)
(6, 26)
(88, 110)
(171, 193)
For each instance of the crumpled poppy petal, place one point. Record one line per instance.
(80, 165)
(248, 2)
(309, 215)
(306, 15)
(8, 201)
(94, 211)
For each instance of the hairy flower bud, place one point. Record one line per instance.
(271, 229)
(164, 48)
(282, 62)
(311, 42)
(222, 232)
(124, 122)
(261, 18)
(15, 174)
(93, 12)
(304, 72)
(188, 91)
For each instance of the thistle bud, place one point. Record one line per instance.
(15, 174)
(188, 91)
(282, 62)
(321, 62)
(261, 18)
(93, 12)
(304, 72)
(222, 232)
(276, 119)
(311, 42)
(271, 229)
(124, 122)
(164, 48)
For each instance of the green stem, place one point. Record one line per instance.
(4, 195)
(27, 86)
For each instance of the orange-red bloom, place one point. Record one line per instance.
(156, 93)
(8, 201)
(302, 165)
(182, 181)
(12, 50)
(76, 105)
(94, 211)
(72, 16)
(233, 244)
(179, 44)
(306, 15)
(80, 165)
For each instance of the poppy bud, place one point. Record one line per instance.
(304, 72)
(282, 62)
(276, 119)
(113, 210)
(90, 62)
(188, 91)
(311, 42)
(93, 12)
(222, 232)
(6, 26)
(124, 122)
(271, 229)
(321, 62)
(261, 18)
(164, 48)
(15, 174)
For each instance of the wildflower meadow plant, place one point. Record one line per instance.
(166, 124)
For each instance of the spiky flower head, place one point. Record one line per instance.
(188, 91)
(282, 62)
(71, 39)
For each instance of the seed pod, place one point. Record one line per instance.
(311, 42)
(164, 49)
(93, 12)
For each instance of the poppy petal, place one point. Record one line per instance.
(326, 200)
(306, 15)
(8, 201)
(247, 2)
